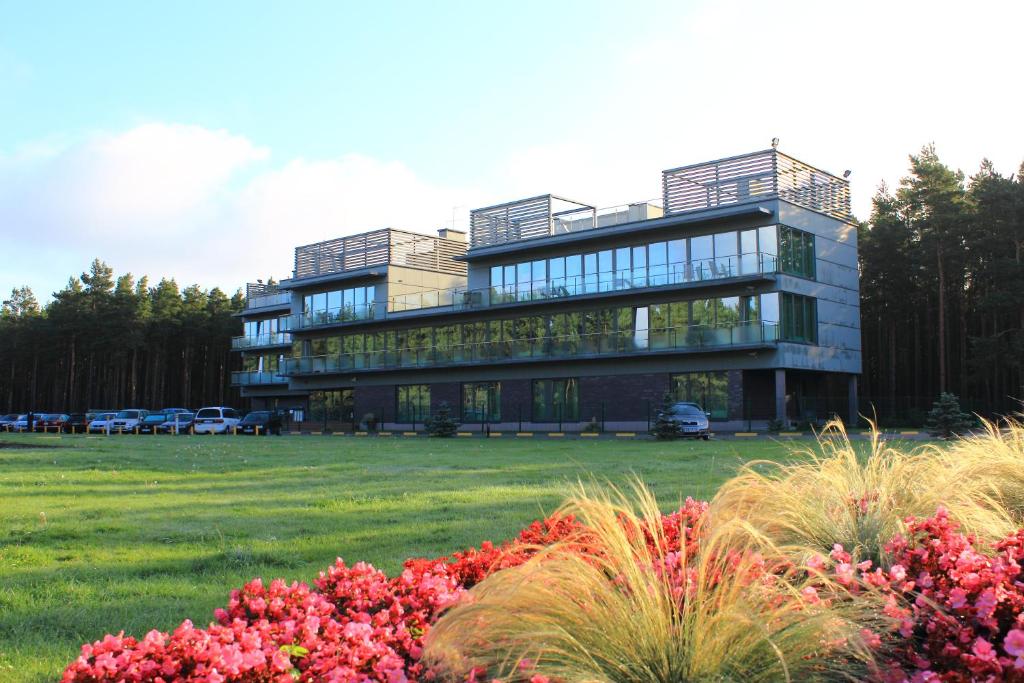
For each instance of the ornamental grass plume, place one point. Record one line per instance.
(618, 603)
(836, 494)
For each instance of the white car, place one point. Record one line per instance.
(127, 420)
(216, 420)
(100, 423)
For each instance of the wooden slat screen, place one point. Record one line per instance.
(761, 174)
(510, 222)
(379, 248)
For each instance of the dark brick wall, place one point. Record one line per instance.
(374, 400)
(735, 379)
(759, 393)
(623, 397)
(446, 392)
(516, 400)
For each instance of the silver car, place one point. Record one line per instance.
(690, 419)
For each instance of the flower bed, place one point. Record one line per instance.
(956, 611)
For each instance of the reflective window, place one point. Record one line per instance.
(481, 402)
(413, 402)
(556, 400)
(709, 390)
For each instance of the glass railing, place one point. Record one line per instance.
(269, 339)
(247, 378)
(692, 337)
(703, 270)
(279, 299)
(330, 316)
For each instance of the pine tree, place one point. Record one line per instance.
(946, 419)
(664, 428)
(442, 424)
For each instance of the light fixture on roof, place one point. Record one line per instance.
(846, 173)
(775, 143)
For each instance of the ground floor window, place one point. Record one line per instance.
(709, 390)
(556, 400)
(481, 402)
(331, 406)
(413, 403)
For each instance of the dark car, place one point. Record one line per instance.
(77, 423)
(176, 423)
(261, 422)
(690, 419)
(151, 423)
(49, 422)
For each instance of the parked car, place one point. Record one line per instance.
(127, 420)
(100, 423)
(176, 423)
(690, 419)
(266, 420)
(21, 425)
(174, 411)
(7, 422)
(216, 420)
(77, 423)
(50, 422)
(151, 423)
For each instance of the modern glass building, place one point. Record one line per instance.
(737, 290)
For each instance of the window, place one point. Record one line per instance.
(413, 402)
(799, 318)
(709, 390)
(481, 401)
(796, 252)
(556, 400)
(355, 303)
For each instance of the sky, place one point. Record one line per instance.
(205, 140)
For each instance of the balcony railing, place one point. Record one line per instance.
(262, 340)
(251, 378)
(264, 300)
(677, 273)
(331, 316)
(685, 338)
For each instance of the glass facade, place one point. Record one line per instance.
(694, 323)
(796, 252)
(338, 305)
(556, 400)
(799, 318)
(331, 406)
(706, 257)
(413, 402)
(709, 390)
(481, 402)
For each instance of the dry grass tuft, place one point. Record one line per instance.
(834, 494)
(607, 614)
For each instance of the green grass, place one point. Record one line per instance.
(102, 534)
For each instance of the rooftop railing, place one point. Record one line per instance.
(683, 338)
(331, 316)
(259, 295)
(676, 273)
(379, 248)
(250, 378)
(767, 174)
(261, 340)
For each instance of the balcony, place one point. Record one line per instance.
(694, 338)
(261, 341)
(709, 271)
(330, 317)
(379, 248)
(767, 174)
(259, 295)
(255, 378)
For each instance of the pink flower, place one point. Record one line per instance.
(1013, 643)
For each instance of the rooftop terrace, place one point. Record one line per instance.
(379, 248)
(766, 174)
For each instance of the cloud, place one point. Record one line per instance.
(196, 204)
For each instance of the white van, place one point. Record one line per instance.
(216, 420)
(127, 420)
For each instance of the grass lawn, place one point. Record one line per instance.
(102, 534)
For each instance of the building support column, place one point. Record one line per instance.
(780, 396)
(851, 389)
